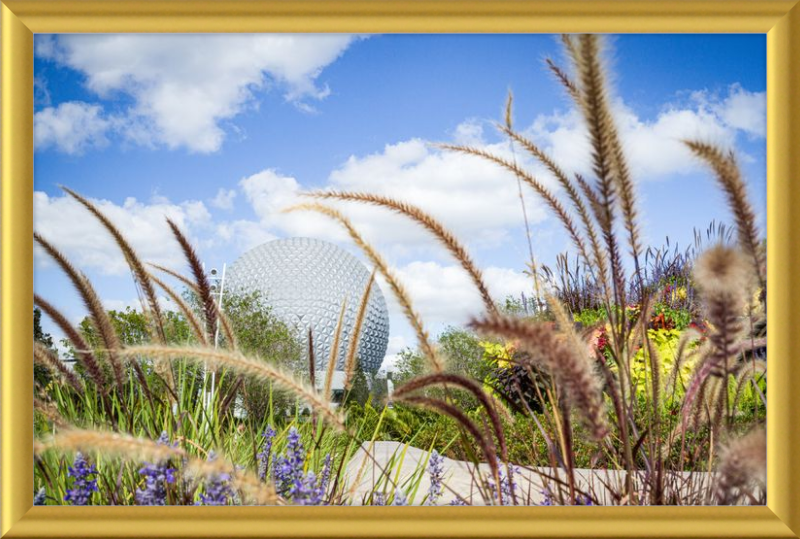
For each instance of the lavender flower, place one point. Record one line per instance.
(378, 498)
(263, 456)
(325, 476)
(458, 501)
(156, 477)
(217, 489)
(436, 472)
(400, 498)
(580, 500)
(292, 482)
(288, 469)
(40, 497)
(507, 485)
(85, 482)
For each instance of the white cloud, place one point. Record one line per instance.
(444, 294)
(397, 343)
(71, 228)
(469, 132)
(70, 128)
(743, 110)
(224, 199)
(244, 234)
(654, 147)
(462, 191)
(269, 193)
(185, 86)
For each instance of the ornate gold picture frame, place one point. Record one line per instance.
(779, 19)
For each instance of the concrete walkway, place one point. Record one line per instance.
(407, 467)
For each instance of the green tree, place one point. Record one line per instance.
(41, 374)
(462, 351)
(360, 391)
(410, 363)
(259, 332)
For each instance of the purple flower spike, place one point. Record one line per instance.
(40, 497)
(264, 455)
(217, 488)
(400, 498)
(436, 472)
(157, 477)
(288, 469)
(85, 482)
(507, 484)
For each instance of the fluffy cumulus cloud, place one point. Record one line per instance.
(70, 128)
(224, 199)
(465, 192)
(461, 191)
(68, 225)
(654, 146)
(444, 294)
(184, 88)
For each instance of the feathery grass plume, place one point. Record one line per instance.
(433, 226)
(355, 338)
(723, 276)
(82, 348)
(591, 195)
(462, 419)
(93, 304)
(247, 366)
(334, 355)
(140, 276)
(534, 267)
(200, 279)
(378, 261)
(227, 327)
(573, 371)
(730, 178)
(564, 79)
(508, 117)
(683, 353)
(749, 373)
(142, 449)
(196, 325)
(424, 381)
(109, 443)
(312, 366)
(598, 255)
(742, 467)
(570, 46)
(48, 410)
(596, 99)
(46, 358)
(593, 105)
(172, 273)
(219, 314)
(551, 200)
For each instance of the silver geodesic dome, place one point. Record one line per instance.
(305, 281)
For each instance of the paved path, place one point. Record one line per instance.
(408, 469)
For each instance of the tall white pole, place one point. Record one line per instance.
(216, 331)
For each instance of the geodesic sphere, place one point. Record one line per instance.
(305, 281)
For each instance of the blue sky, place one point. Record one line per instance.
(221, 132)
